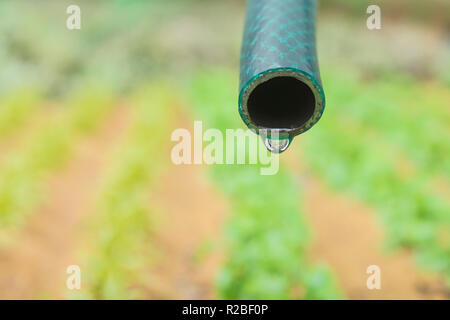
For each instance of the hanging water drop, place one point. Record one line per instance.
(277, 145)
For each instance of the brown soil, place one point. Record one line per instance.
(188, 235)
(35, 266)
(348, 238)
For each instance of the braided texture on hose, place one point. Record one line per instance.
(280, 35)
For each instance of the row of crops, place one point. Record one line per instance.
(267, 240)
(391, 152)
(267, 234)
(116, 260)
(23, 172)
(120, 222)
(383, 140)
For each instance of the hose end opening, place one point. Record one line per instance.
(282, 100)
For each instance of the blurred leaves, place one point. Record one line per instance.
(384, 135)
(387, 142)
(22, 173)
(122, 222)
(16, 107)
(267, 234)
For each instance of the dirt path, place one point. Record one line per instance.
(188, 235)
(348, 238)
(35, 266)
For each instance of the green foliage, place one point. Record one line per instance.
(401, 113)
(267, 234)
(16, 107)
(413, 9)
(21, 174)
(388, 145)
(113, 47)
(122, 220)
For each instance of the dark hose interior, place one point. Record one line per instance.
(281, 102)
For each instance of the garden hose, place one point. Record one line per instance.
(281, 94)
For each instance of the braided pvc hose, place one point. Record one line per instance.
(280, 85)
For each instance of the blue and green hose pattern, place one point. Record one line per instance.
(279, 41)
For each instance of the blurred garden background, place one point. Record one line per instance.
(86, 176)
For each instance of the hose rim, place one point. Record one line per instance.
(300, 75)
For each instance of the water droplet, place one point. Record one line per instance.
(277, 145)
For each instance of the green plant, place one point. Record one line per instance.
(388, 149)
(22, 173)
(122, 221)
(16, 107)
(267, 235)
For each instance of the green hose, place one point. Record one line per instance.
(280, 86)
